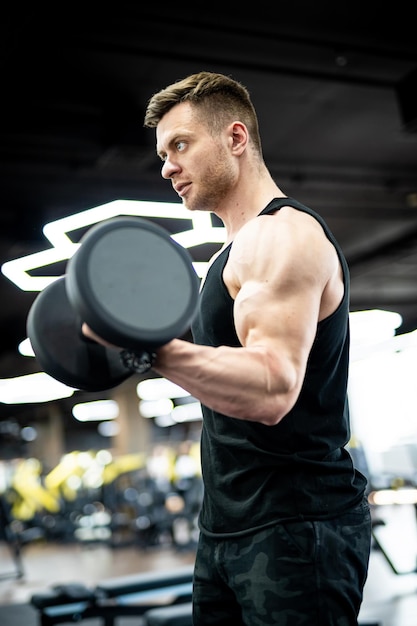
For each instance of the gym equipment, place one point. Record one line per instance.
(389, 555)
(127, 595)
(8, 535)
(177, 615)
(62, 351)
(133, 285)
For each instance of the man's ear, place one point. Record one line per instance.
(239, 137)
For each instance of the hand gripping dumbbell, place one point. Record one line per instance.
(133, 285)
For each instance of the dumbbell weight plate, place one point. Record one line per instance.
(132, 283)
(62, 351)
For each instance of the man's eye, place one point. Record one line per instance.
(180, 146)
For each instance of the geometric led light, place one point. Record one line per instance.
(62, 237)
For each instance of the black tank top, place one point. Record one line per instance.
(256, 475)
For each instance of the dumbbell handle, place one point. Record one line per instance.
(138, 362)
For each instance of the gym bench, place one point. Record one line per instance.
(130, 595)
(178, 615)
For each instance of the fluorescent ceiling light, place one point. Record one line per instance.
(154, 408)
(164, 421)
(385, 497)
(25, 348)
(157, 388)
(373, 325)
(96, 411)
(157, 396)
(108, 429)
(187, 413)
(39, 387)
(373, 332)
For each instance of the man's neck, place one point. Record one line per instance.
(247, 203)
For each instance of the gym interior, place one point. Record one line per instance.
(100, 481)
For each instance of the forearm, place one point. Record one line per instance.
(245, 383)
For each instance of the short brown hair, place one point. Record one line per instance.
(219, 98)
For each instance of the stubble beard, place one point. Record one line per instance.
(213, 186)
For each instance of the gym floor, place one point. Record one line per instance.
(390, 599)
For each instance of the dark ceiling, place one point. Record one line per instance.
(335, 86)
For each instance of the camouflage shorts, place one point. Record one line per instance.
(294, 574)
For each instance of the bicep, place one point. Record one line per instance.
(280, 318)
(277, 302)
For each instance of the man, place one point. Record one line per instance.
(285, 526)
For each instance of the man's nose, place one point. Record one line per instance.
(169, 169)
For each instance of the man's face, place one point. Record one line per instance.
(199, 164)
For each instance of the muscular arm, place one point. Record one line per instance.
(278, 271)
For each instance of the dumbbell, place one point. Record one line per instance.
(132, 284)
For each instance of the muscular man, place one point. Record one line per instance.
(285, 525)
